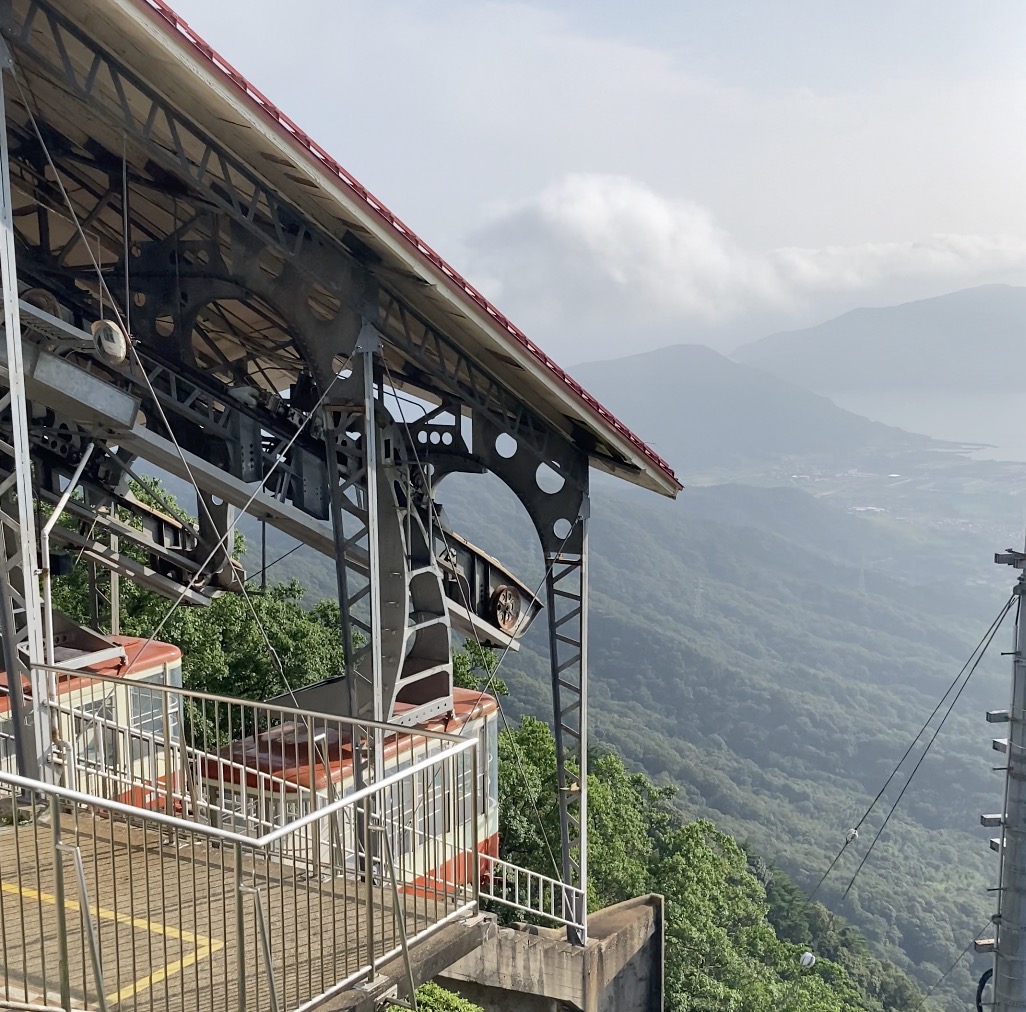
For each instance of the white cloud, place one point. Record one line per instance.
(708, 191)
(443, 107)
(599, 254)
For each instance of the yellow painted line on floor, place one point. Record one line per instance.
(199, 953)
(203, 946)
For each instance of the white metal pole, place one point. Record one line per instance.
(582, 804)
(367, 349)
(44, 551)
(33, 633)
(1010, 949)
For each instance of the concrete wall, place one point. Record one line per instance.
(530, 969)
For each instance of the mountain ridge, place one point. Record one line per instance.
(726, 413)
(963, 340)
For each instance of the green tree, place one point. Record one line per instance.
(723, 953)
(251, 645)
(473, 667)
(433, 998)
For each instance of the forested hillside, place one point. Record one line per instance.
(772, 657)
(735, 927)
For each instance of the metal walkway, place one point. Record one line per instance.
(202, 895)
(225, 886)
(169, 916)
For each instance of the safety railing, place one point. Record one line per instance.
(248, 767)
(108, 905)
(512, 886)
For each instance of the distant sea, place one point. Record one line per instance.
(997, 418)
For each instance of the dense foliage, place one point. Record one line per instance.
(256, 645)
(224, 649)
(432, 998)
(735, 930)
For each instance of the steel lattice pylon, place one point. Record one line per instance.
(566, 586)
(271, 325)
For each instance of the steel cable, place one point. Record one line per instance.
(981, 645)
(979, 657)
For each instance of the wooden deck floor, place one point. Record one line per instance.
(167, 920)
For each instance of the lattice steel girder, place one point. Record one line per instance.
(566, 587)
(560, 518)
(444, 368)
(181, 147)
(176, 144)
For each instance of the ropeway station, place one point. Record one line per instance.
(193, 286)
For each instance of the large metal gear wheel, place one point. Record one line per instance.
(505, 608)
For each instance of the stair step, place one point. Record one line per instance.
(427, 623)
(411, 672)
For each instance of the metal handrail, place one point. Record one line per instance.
(210, 697)
(226, 835)
(572, 897)
(183, 753)
(291, 862)
(459, 745)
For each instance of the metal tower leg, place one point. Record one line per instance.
(1010, 948)
(366, 347)
(20, 613)
(567, 593)
(354, 509)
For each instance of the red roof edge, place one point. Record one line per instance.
(165, 15)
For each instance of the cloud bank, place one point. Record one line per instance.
(600, 255)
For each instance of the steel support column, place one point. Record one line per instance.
(369, 345)
(1010, 948)
(353, 484)
(20, 614)
(566, 587)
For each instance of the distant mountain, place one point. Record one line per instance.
(700, 410)
(968, 341)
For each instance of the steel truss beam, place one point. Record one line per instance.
(558, 503)
(181, 147)
(416, 352)
(441, 367)
(566, 589)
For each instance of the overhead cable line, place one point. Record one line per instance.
(271, 565)
(104, 287)
(853, 833)
(926, 751)
(123, 323)
(280, 457)
(958, 959)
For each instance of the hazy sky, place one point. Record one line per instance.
(619, 175)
